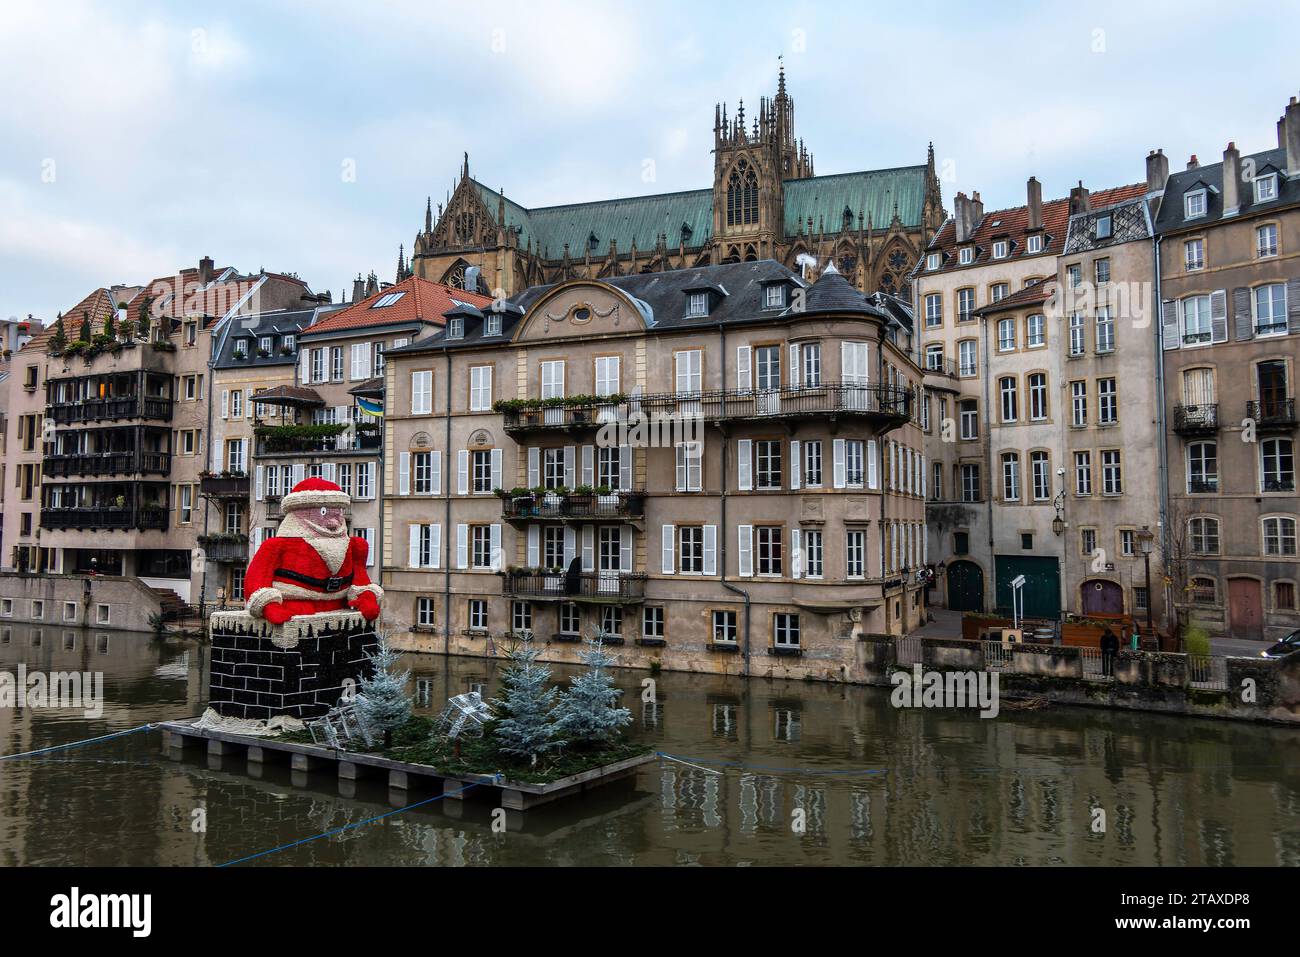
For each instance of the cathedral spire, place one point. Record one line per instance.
(401, 263)
(428, 215)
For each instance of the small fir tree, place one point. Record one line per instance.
(59, 338)
(144, 320)
(526, 727)
(382, 702)
(587, 712)
(86, 333)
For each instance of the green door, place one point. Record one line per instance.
(1042, 592)
(965, 586)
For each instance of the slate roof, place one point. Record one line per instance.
(250, 329)
(1012, 224)
(1170, 216)
(641, 219)
(662, 299)
(421, 301)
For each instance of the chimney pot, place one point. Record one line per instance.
(1193, 163)
(1157, 171)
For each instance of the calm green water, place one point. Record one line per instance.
(954, 789)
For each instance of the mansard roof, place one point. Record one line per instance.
(1172, 212)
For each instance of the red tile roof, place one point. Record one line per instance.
(1013, 224)
(1038, 293)
(422, 301)
(96, 306)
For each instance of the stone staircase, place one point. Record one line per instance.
(172, 606)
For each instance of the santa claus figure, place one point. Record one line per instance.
(312, 565)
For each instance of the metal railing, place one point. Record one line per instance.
(584, 415)
(1208, 672)
(125, 407)
(224, 486)
(144, 517)
(1272, 413)
(1094, 665)
(107, 463)
(574, 506)
(826, 398)
(599, 586)
(997, 656)
(1196, 418)
(908, 651)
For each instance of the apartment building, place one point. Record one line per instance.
(992, 373)
(1229, 252)
(717, 469)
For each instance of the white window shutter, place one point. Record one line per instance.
(435, 545)
(625, 548)
(435, 470)
(403, 473)
(745, 551)
(682, 477)
(796, 552)
(873, 479)
(534, 546)
(258, 483)
(327, 471)
(795, 464)
(743, 465)
(570, 458)
(534, 468)
(305, 372)
(588, 465)
(225, 403)
(625, 468)
(588, 548)
(496, 469)
(1219, 316)
(710, 549)
(744, 376)
(794, 365)
(299, 473)
(838, 477)
(462, 472)
(1169, 324)
(413, 550)
(494, 542)
(248, 403)
(668, 549)
(570, 545)
(924, 477)
(462, 546)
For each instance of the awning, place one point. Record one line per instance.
(293, 396)
(371, 388)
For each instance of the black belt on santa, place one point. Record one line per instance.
(337, 583)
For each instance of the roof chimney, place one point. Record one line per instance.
(1035, 198)
(206, 270)
(1193, 163)
(1157, 171)
(1080, 201)
(961, 217)
(1291, 127)
(976, 211)
(1231, 180)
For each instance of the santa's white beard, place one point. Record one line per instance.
(332, 549)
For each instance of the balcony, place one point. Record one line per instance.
(1196, 419)
(573, 414)
(296, 440)
(1272, 414)
(109, 517)
(225, 547)
(575, 506)
(101, 410)
(108, 463)
(600, 587)
(225, 485)
(891, 405)
(938, 365)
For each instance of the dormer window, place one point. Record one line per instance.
(774, 297)
(289, 343)
(1000, 249)
(456, 328)
(264, 344)
(966, 256)
(698, 304)
(932, 261)
(1266, 188)
(1104, 227)
(492, 324)
(387, 300)
(1194, 204)
(1034, 244)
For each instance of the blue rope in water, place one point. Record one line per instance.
(348, 827)
(77, 744)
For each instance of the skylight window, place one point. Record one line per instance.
(387, 300)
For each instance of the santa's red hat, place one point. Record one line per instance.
(315, 492)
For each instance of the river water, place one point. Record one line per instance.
(809, 774)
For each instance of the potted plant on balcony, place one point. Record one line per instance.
(120, 501)
(126, 333)
(263, 352)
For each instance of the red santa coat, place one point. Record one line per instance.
(288, 569)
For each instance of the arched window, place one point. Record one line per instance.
(742, 195)
(1203, 591)
(1203, 536)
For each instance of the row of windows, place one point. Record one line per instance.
(1204, 590)
(365, 361)
(1101, 471)
(1203, 319)
(1001, 249)
(71, 609)
(964, 301)
(1276, 466)
(1277, 535)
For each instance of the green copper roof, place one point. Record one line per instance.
(873, 192)
(643, 218)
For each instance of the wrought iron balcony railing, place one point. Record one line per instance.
(585, 586)
(107, 463)
(225, 548)
(224, 486)
(1272, 413)
(573, 506)
(1196, 419)
(569, 417)
(99, 410)
(828, 398)
(108, 517)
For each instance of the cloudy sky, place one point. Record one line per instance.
(304, 137)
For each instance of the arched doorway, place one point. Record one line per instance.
(965, 587)
(1101, 597)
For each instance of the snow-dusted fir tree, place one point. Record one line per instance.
(587, 713)
(382, 703)
(526, 709)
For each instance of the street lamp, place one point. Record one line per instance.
(1146, 542)
(1058, 523)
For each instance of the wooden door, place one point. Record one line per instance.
(1245, 609)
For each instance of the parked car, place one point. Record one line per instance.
(1284, 647)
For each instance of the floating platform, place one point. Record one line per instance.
(178, 736)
